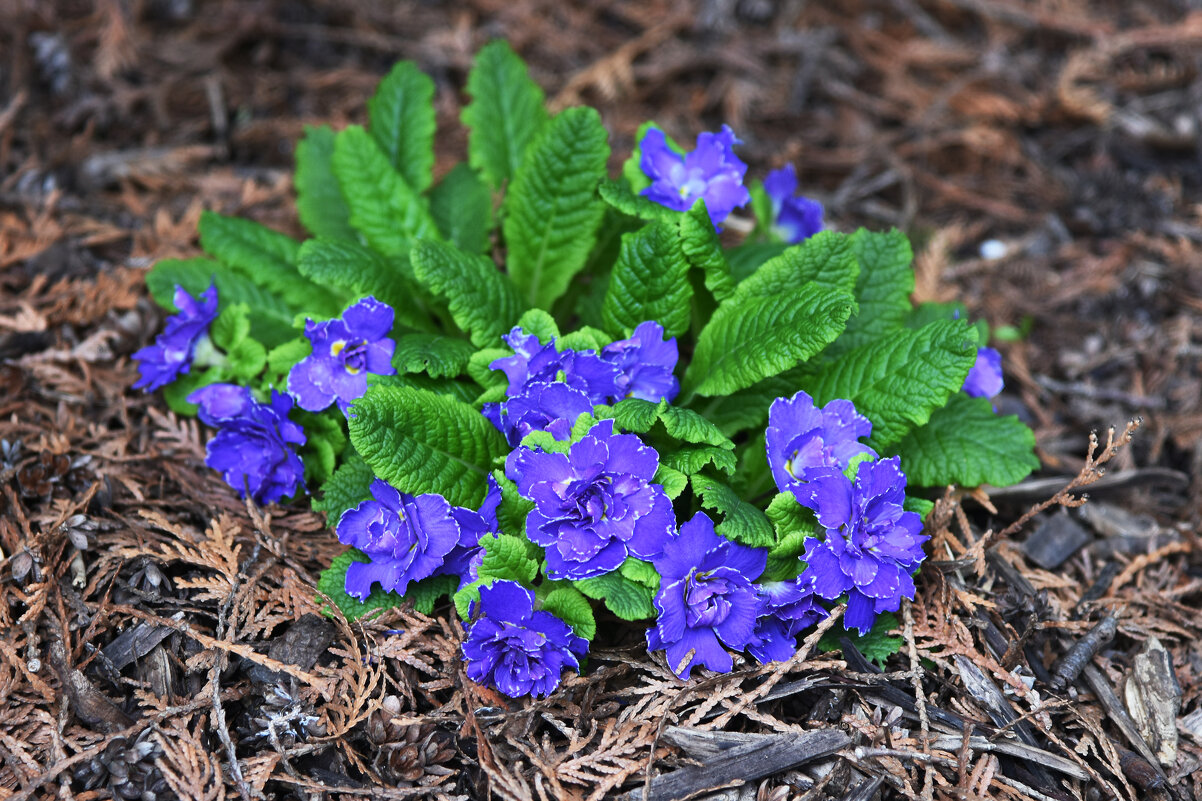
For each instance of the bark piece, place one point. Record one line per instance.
(1153, 699)
(1056, 539)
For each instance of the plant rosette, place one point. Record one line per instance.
(542, 391)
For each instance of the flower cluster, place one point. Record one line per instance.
(172, 353)
(549, 388)
(345, 350)
(253, 448)
(711, 171)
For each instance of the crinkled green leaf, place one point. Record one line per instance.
(348, 487)
(642, 572)
(482, 300)
(461, 206)
(324, 442)
(626, 598)
(539, 323)
(359, 270)
(419, 441)
(752, 337)
(649, 282)
(919, 506)
(332, 583)
(401, 115)
(505, 114)
(385, 209)
(790, 518)
(704, 251)
(585, 338)
(231, 326)
(456, 389)
(435, 355)
(282, 358)
(672, 480)
(883, 288)
(506, 558)
(512, 513)
(897, 382)
(967, 443)
(619, 197)
(552, 209)
(747, 408)
(690, 459)
(640, 416)
(271, 322)
(480, 372)
(741, 521)
(545, 441)
(426, 593)
(826, 258)
(268, 258)
(570, 606)
(746, 259)
(319, 201)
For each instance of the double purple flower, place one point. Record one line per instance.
(706, 598)
(407, 537)
(711, 171)
(253, 448)
(345, 350)
(786, 608)
(171, 354)
(984, 380)
(795, 218)
(805, 441)
(644, 363)
(872, 545)
(595, 505)
(515, 649)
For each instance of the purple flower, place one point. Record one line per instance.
(172, 351)
(345, 350)
(515, 649)
(406, 536)
(594, 506)
(805, 441)
(872, 545)
(540, 406)
(252, 448)
(786, 608)
(532, 362)
(465, 558)
(795, 219)
(706, 598)
(984, 380)
(645, 363)
(712, 171)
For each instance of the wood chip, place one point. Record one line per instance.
(1056, 539)
(1153, 698)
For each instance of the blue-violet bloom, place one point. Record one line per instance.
(711, 171)
(172, 351)
(872, 545)
(467, 555)
(706, 598)
(253, 447)
(795, 219)
(345, 350)
(645, 363)
(786, 609)
(515, 649)
(540, 406)
(804, 441)
(533, 362)
(984, 380)
(406, 536)
(595, 505)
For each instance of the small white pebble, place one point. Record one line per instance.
(993, 249)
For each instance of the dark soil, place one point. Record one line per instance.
(160, 637)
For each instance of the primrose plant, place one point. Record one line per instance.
(562, 399)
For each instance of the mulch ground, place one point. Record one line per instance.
(160, 638)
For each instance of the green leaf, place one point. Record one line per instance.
(747, 408)
(741, 521)
(505, 114)
(701, 247)
(545, 441)
(271, 322)
(401, 115)
(883, 289)
(480, 372)
(586, 338)
(456, 389)
(626, 598)
(482, 300)
(539, 323)
(419, 442)
(506, 558)
(348, 487)
(552, 209)
(512, 513)
(746, 259)
(324, 442)
(876, 645)
(790, 518)
(359, 270)
(332, 583)
(319, 201)
(649, 282)
(919, 506)
(282, 358)
(640, 416)
(461, 206)
(750, 337)
(266, 257)
(619, 197)
(389, 212)
(642, 572)
(426, 593)
(570, 606)
(966, 443)
(435, 355)
(826, 258)
(176, 393)
(897, 382)
(231, 326)
(672, 480)
(690, 459)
